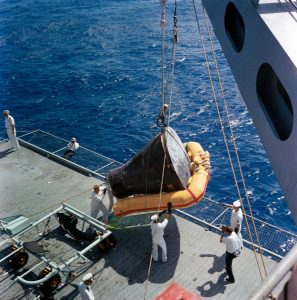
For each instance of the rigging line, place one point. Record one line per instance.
(234, 143)
(165, 132)
(172, 62)
(219, 115)
(162, 2)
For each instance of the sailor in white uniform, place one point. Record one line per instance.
(157, 228)
(236, 219)
(72, 146)
(97, 204)
(11, 130)
(85, 287)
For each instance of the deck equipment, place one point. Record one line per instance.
(52, 275)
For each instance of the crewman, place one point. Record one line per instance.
(157, 228)
(85, 287)
(162, 116)
(232, 243)
(236, 219)
(96, 202)
(72, 146)
(11, 130)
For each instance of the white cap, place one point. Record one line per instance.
(154, 217)
(87, 277)
(73, 139)
(237, 203)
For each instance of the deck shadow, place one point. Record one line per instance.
(211, 289)
(218, 263)
(5, 153)
(132, 255)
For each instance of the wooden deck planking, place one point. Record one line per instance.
(32, 185)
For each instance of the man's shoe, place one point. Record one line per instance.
(229, 280)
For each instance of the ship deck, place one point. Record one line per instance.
(33, 185)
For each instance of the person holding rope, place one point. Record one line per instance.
(157, 228)
(85, 287)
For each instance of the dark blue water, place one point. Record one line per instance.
(92, 69)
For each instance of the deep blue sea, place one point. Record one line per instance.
(92, 69)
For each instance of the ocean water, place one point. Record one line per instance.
(92, 69)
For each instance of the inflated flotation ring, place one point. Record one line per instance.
(197, 183)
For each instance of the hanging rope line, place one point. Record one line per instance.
(172, 63)
(161, 121)
(234, 144)
(221, 121)
(163, 37)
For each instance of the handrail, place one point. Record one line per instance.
(59, 158)
(216, 227)
(263, 222)
(105, 164)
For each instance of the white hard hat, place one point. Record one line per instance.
(237, 203)
(87, 277)
(154, 217)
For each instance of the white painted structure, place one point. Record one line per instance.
(260, 43)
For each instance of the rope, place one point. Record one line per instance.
(172, 61)
(235, 149)
(162, 2)
(220, 119)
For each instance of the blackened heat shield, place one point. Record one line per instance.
(143, 173)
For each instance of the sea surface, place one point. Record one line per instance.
(93, 70)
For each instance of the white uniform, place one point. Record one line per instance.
(110, 198)
(97, 205)
(9, 125)
(158, 239)
(85, 291)
(73, 146)
(232, 242)
(236, 218)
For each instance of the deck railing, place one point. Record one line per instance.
(274, 241)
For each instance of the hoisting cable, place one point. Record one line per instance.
(163, 37)
(162, 2)
(219, 115)
(172, 61)
(234, 145)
